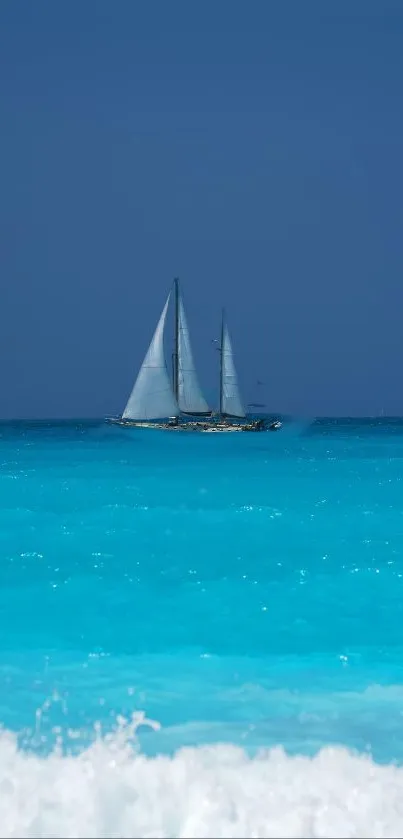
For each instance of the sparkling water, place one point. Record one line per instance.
(244, 592)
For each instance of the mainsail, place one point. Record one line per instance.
(152, 396)
(230, 399)
(189, 394)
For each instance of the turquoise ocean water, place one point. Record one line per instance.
(244, 592)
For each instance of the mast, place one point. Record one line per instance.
(176, 341)
(186, 384)
(221, 360)
(230, 398)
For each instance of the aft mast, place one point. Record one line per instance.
(221, 364)
(176, 341)
(230, 398)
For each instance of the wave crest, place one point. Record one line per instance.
(111, 790)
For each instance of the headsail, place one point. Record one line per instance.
(189, 395)
(152, 396)
(230, 399)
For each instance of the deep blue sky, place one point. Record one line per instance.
(254, 149)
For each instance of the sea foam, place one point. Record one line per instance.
(112, 790)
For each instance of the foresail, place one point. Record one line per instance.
(152, 396)
(190, 397)
(231, 403)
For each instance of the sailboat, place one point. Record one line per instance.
(156, 401)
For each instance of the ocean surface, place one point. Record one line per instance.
(201, 635)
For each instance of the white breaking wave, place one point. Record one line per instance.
(110, 790)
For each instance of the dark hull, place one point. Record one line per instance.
(211, 427)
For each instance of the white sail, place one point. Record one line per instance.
(152, 396)
(190, 397)
(231, 403)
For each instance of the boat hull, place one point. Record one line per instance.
(200, 426)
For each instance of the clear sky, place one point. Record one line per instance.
(252, 148)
